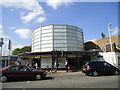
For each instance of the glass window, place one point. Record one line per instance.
(60, 48)
(71, 31)
(56, 37)
(61, 34)
(59, 26)
(59, 41)
(72, 49)
(60, 30)
(71, 38)
(13, 68)
(72, 34)
(23, 68)
(72, 45)
(71, 41)
(107, 65)
(71, 27)
(60, 45)
(79, 29)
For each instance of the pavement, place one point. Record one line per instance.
(64, 72)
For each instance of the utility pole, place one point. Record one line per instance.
(1, 43)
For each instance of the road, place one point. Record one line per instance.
(67, 80)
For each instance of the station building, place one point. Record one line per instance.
(104, 48)
(56, 44)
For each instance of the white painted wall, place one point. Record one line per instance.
(111, 57)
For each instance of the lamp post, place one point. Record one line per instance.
(110, 37)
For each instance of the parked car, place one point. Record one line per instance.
(20, 72)
(96, 68)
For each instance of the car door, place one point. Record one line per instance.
(12, 72)
(109, 68)
(26, 73)
(101, 68)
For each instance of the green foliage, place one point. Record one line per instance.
(22, 50)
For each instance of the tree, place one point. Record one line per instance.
(22, 50)
(103, 35)
(16, 51)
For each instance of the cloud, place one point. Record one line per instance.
(12, 10)
(40, 19)
(92, 40)
(2, 35)
(56, 3)
(30, 16)
(23, 33)
(1, 26)
(115, 31)
(32, 8)
(17, 46)
(12, 28)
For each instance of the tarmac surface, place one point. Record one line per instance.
(64, 72)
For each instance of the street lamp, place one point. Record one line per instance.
(110, 36)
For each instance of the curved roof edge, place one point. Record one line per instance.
(58, 25)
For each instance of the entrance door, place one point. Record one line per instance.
(72, 62)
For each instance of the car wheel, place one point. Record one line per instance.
(4, 78)
(95, 73)
(116, 72)
(38, 77)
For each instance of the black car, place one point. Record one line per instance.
(96, 68)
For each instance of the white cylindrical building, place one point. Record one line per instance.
(57, 37)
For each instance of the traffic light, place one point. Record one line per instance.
(1, 42)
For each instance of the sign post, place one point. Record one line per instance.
(9, 48)
(1, 43)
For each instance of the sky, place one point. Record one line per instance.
(19, 19)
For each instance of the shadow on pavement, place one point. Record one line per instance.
(48, 78)
(26, 80)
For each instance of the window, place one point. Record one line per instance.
(59, 41)
(59, 26)
(23, 68)
(107, 65)
(71, 27)
(61, 34)
(13, 68)
(60, 30)
(60, 45)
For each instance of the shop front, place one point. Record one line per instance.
(75, 59)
